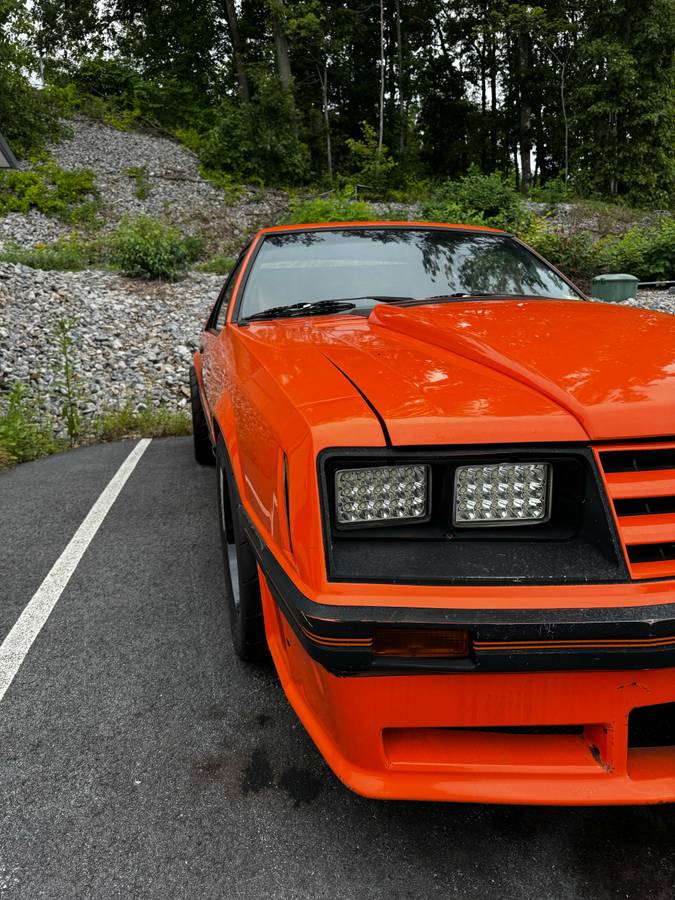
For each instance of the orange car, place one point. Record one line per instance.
(447, 500)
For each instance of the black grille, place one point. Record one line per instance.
(641, 553)
(645, 506)
(652, 726)
(637, 460)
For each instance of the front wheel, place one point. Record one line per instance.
(242, 586)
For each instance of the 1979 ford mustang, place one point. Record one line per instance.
(447, 500)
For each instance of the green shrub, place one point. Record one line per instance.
(147, 248)
(24, 432)
(371, 166)
(647, 253)
(478, 199)
(338, 207)
(191, 137)
(574, 253)
(66, 254)
(217, 265)
(51, 190)
(554, 191)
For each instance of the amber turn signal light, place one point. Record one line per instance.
(421, 643)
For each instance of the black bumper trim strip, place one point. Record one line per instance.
(606, 638)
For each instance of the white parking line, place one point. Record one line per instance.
(18, 642)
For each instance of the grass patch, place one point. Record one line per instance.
(132, 420)
(217, 265)
(142, 247)
(69, 254)
(139, 174)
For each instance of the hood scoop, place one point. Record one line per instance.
(611, 367)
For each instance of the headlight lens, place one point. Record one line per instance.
(381, 493)
(502, 493)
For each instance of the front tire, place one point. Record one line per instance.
(242, 586)
(200, 429)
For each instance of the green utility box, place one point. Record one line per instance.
(614, 287)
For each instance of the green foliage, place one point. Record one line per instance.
(647, 253)
(553, 191)
(26, 119)
(574, 253)
(24, 432)
(67, 254)
(114, 90)
(68, 383)
(139, 174)
(371, 166)
(338, 207)
(69, 195)
(217, 265)
(147, 248)
(140, 420)
(191, 137)
(228, 184)
(258, 141)
(477, 199)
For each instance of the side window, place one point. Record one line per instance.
(226, 295)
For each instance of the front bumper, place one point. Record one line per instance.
(538, 714)
(540, 738)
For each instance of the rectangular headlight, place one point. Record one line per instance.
(381, 494)
(502, 493)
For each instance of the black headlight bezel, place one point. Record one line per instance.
(580, 520)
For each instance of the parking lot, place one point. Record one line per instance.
(140, 758)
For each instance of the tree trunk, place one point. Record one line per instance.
(323, 78)
(401, 79)
(282, 53)
(493, 100)
(525, 112)
(237, 50)
(380, 137)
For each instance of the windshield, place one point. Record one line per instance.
(302, 267)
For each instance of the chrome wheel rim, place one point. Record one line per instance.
(231, 549)
(234, 573)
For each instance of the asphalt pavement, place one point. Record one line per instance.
(140, 758)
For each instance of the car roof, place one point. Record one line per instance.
(379, 223)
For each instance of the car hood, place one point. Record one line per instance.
(492, 371)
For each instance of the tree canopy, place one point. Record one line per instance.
(567, 92)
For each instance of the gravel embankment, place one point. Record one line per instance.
(131, 339)
(176, 191)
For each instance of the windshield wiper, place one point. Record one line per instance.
(459, 295)
(307, 308)
(317, 307)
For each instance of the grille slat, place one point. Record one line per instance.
(641, 484)
(647, 529)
